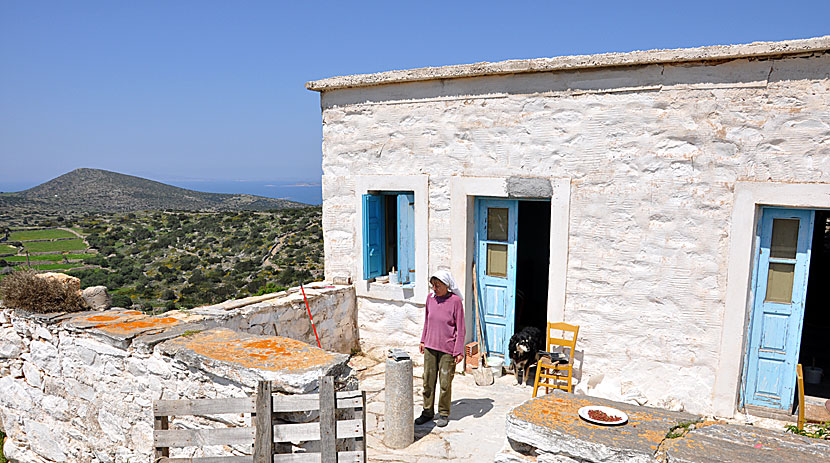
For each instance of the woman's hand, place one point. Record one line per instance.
(421, 348)
(458, 358)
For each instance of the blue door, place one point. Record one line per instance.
(782, 266)
(406, 238)
(496, 229)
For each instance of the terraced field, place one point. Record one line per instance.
(75, 244)
(47, 249)
(177, 259)
(47, 234)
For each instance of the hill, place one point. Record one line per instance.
(96, 190)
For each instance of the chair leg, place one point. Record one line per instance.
(536, 381)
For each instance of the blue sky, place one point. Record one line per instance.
(189, 91)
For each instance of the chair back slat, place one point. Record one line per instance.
(565, 329)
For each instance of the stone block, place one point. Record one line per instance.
(97, 297)
(11, 345)
(32, 375)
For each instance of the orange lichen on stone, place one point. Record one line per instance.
(272, 353)
(141, 324)
(101, 318)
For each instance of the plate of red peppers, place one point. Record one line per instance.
(604, 416)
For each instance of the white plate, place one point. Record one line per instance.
(583, 413)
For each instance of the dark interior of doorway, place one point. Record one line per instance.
(532, 261)
(390, 209)
(814, 352)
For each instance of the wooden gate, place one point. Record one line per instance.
(263, 434)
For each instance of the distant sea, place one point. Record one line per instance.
(304, 191)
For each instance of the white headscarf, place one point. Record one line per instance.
(447, 279)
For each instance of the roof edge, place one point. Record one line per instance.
(573, 62)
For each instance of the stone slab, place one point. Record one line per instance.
(291, 366)
(121, 334)
(725, 443)
(100, 319)
(551, 423)
(713, 53)
(145, 341)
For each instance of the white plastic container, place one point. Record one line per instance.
(497, 365)
(812, 375)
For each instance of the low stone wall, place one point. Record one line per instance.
(80, 387)
(332, 307)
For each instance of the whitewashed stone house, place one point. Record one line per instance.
(673, 203)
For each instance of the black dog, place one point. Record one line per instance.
(523, 348)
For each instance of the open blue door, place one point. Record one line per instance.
(374, 242)
(496, 230)
(406, 238)
(781, 271)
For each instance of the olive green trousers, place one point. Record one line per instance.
(438, 366)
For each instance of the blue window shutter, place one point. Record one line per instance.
(374, 237)
(406, 238)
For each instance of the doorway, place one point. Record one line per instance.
(815, 355)
(512, 259)
(533, 256)
(781, 270)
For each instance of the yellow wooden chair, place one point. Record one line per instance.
(557, 376)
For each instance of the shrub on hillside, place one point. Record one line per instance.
(23, 290)
(122, 300)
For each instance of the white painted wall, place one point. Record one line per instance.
(653, 154)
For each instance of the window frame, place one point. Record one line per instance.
(380, 184)
(376, 234)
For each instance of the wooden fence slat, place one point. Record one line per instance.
(328, 421)
(354, 456)
(160, 424)
(199, 437)
(264, 440)
(300, 432)
(363, 422)
(347, 429)
(310, 402)
(296, 432)
(228, 459)
(203, 406)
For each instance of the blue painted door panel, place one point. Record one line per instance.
(784, 237)
(374, 237)
(496, 270)
(406, 238)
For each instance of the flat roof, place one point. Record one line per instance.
(565, 63)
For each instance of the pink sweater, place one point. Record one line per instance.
(444, 324)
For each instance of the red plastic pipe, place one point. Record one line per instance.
(309, 317)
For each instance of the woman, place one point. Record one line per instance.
(442, 344)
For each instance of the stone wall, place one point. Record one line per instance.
(80, 387)
(386, 324)
(333, 309)
(653, 154)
